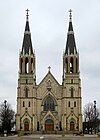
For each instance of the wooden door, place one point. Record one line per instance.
(71, 125)
(26, 126)
(49, 125)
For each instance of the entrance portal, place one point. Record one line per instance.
(26, 125)
(72, 125)
(49, 125)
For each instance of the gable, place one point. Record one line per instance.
(49, 85)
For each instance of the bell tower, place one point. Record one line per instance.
(71, 56)
(71, 83)
(27, 57)
(26, 90)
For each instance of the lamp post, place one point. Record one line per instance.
(95, 116)
(5, 129)
(89, 123)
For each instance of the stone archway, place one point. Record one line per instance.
(72, 126)
(49, 125)
(26, 125)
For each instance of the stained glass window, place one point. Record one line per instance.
(49, 104)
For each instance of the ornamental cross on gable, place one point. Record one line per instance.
(49, 68)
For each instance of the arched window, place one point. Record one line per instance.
(23, 104)
(26, 92)
(72, 93)
(66, 65)
(31, 65)
(71, 81)
(21, 65)
(71, 65)
(26, 81)
(69, 104)
(49, 104)
(49, 85)
(76, 65)
(74, 103)
(29, 104)
(26, 65)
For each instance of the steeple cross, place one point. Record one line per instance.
(49, 68)
(70, 14)
(27, 14)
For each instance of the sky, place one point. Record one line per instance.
(49, 20)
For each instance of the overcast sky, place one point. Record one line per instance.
(49, 21)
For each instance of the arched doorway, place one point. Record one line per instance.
(72, 125)
(26, 125)
(49, 125)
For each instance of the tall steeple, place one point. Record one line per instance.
(71, 56)
(72, 82)
(26, 89)
(27, 43)
(70, 44)
(27, 57)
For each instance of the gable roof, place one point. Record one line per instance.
(48, 75)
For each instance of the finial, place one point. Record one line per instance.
(70, 14)
(27, 14)
(49, 68)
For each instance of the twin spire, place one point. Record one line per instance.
(70, 44)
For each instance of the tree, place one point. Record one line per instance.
(7, 117)
(91, 117)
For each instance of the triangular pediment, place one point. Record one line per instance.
(49, 115)
(49, 79)
(49, 86)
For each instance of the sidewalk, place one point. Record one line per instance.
(56, 136)
(41, 136)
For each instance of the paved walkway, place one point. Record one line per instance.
(51, 137)
(55, 136)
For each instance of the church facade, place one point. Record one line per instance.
(49, 106)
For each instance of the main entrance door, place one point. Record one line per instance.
(49, 125)
(72, 125)
(26, 126)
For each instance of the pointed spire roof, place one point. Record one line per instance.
(70, 44)
(27, 43)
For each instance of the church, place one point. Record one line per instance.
(49, 107)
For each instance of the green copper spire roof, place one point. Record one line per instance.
(27, 43)
(70, 44)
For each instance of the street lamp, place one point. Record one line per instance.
(5, 129)
(95, 115)
(89, 123)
